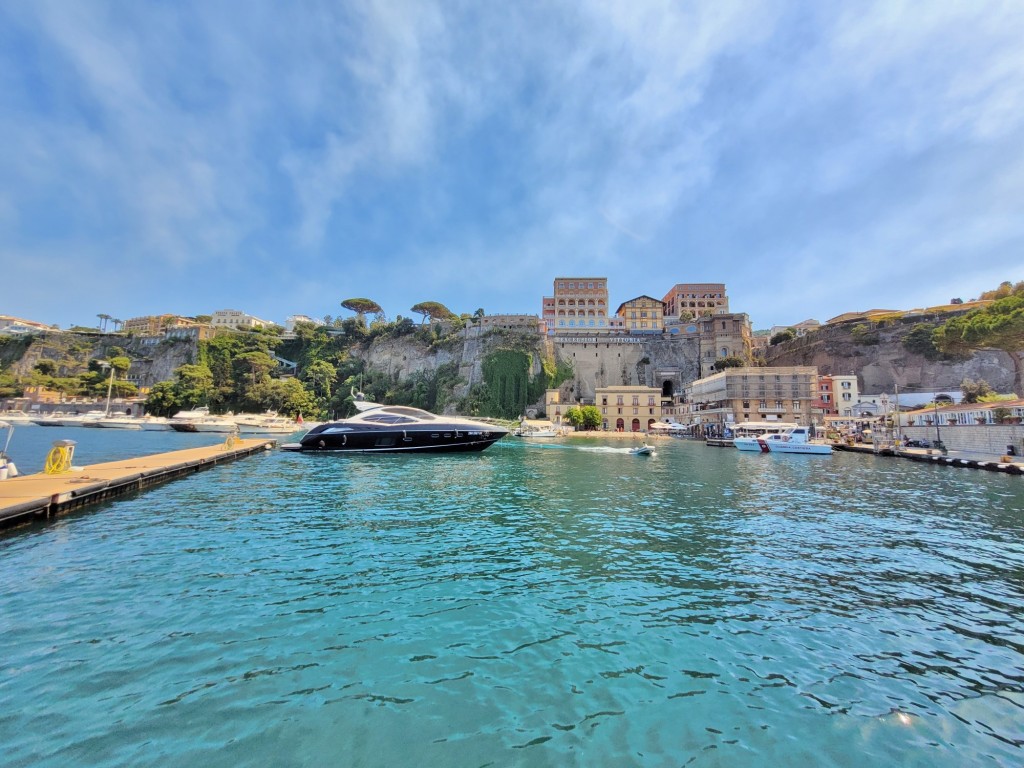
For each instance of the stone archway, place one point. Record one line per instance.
(620, 425)
(636, 425)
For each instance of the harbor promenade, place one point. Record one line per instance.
(45, 495)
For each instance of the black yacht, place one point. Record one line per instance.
(398, 428)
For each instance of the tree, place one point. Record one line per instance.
(479, 313)
(1006, 288)
(787, 335)
(997, 326)
(361, 307)
(321, 375)
(974, 391)
(193, 385)
(257, 364)
(591, 416)
(120, 364)
(46, 367)
(162, 400)
(434, 310)
(574, 415)
(729, 362)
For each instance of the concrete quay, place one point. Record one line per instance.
(40, 495)
(962, 459)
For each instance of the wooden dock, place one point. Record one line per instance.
(27, 496)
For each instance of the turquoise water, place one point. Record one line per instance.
(533, 605)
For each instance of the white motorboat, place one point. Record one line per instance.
(794, 440)
(745, 434)
(154, 424)
(89, 419)
(642, 450)
(200, 420)
(119, 422)
(536, 432)
(18, 418)
(269, 423)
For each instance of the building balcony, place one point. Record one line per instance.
(770, 409)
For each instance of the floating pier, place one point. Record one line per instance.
(44, 495)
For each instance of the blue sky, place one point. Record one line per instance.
(816, 157)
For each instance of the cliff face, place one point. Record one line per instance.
(881, 359)
(648, 362)
(71, 353)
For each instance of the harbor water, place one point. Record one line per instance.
(557, 603)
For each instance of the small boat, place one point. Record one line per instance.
(154, 424)
(793, 440)
(7, 468)
(57, 419)
(200, 420)
(90, 419)
(398, 429)
(642, 450)
(18, 418)
(119, 422)
(269, 423)
(531, 431)
(745, 434)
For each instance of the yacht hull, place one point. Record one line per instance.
(438, 439)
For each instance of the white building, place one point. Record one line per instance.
(232, 319)
(15, 326)
(293, 320)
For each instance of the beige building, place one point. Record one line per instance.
(628, 408)
(155, 325)
(530, 323)
(642, 315)
(719, 336)
(754, 394)
(697, 299)
(578, 303)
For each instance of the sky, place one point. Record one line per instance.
(279, 158)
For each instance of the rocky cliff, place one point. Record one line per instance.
(889, 354)
(71, 353)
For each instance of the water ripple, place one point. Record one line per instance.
(526, 606)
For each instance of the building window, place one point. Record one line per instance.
(796, 405)
(636, 400)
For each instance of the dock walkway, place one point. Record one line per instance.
(964, 459)
(42, 495)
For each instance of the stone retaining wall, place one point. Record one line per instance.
(991, 439)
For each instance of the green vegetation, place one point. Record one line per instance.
(975, 391)
(587, 417)
(997, 326)
(864, 333)
(434, 310)
(782, 336)
(314, 373)
(729, 362)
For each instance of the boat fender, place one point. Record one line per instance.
(12, 471)
(322, 444)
